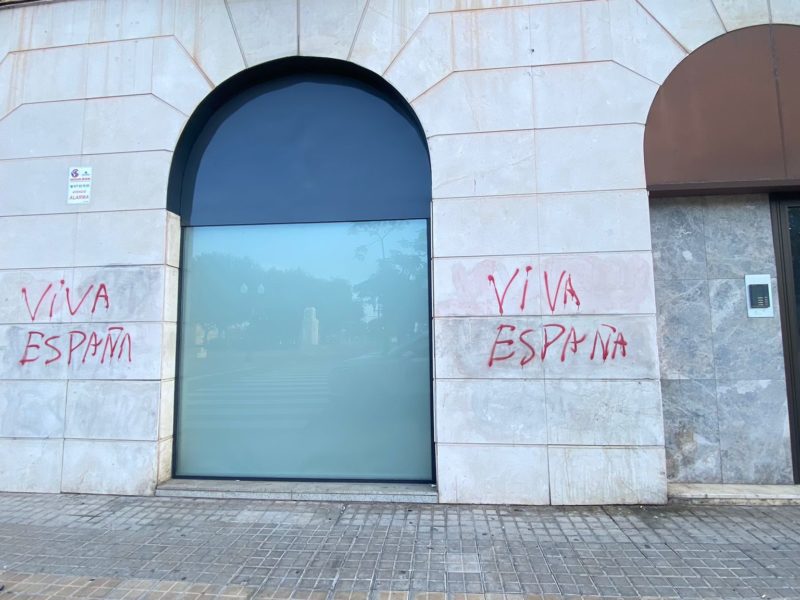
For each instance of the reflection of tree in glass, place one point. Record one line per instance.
(397, 290)
(241, 298)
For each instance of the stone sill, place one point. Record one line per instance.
(733, 494)
(299, 490)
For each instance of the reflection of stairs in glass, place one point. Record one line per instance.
(252, 400)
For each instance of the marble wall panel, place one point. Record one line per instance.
(691, 427)
(171, 299)
(50, 74)
(556, 88)
(570, 32)
(691, 22)
(156, 126)
(483, 164)
(744, 348)
(177, 80)
(754, 431)
(39, 241)
(490, 412)
(329, 28)
(489, 286)
(594, 221)
(28, 465)
(173, 258)
(491, 39)
(453, 5)
(492, 474)
(736, 14)
(738, 236)
(120, 238)
(120, 68)
(32, 409)
(385, 28)
(109, 467)
(641, 43)
(576, 159)
(425, 59)
(53, 24)
(124, 19)
(485, 226)
(582, 475)
(164, 460)
(677, 228)
(105, 294)
(265, 30)
(166, 409)
(114, 410)
(44, 129)
(604, 413)
(45, 350)
(685, 339)
(470, 101)
(785, 11)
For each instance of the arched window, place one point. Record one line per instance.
(303, 187)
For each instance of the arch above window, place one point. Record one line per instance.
(301, 140)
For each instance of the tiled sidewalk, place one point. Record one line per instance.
(60, 546)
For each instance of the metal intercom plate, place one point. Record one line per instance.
(758, 294)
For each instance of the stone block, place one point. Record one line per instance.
(127, 181)
(574, 159)
(580, 94)
(736, 14)
(691, 22)
(594, 222)
(685, 340)
(640, 43)
(205, 29)
(113, 410)
(28, 465)
(744, 348)
(492, 474)
(44, 129)
(164, 460)
(603, 283)
(691, 428)
(24, 240)
(51, 74)
(53, 24)
(754, 431)
(169, 350)
(173, 240)
(386, 27)
(490, 412)
(177, 80)
(614, 347)
(492, 39)
(463, 348)
(491, 286)
(32, 409)
(109, 467)
(266, 30)
(166, 409)
(738, 235)
(120, 68)
(425, 60)
(329, 28)
(785, 11)
(678, 235)
(126, 19)
(171, 294)
(483, 164)
(121, 238)
(129, 124)
(454, 5)
(570, 32)
(604, 413)
(485, 226)
(607, 475)
(472, 101)
(81, 351)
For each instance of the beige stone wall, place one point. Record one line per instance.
(534, 113)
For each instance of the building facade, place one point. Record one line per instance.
(580, 217)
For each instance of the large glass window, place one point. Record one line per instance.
(305, 351)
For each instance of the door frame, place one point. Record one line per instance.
(790, 319)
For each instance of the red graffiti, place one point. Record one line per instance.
(564, 340)
(569, 292)
(560, 296)
(67, 296)
(113, 344)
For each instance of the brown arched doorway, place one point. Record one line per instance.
(722, 157)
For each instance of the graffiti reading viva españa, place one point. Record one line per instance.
(105, 345)
(556, 341)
